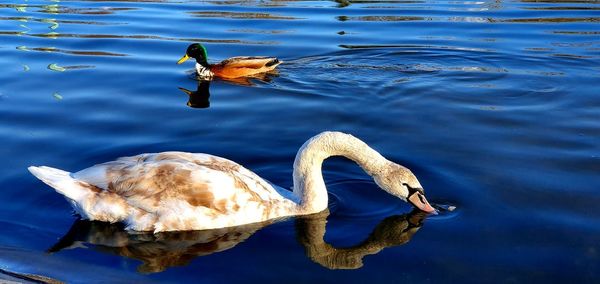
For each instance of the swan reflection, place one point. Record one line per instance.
(161, 251)
(392, 231)
(156, 251)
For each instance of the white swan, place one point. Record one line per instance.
(173, 191)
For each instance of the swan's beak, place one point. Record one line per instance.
(418, 200)
(183, 59)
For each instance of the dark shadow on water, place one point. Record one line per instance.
(163, 250)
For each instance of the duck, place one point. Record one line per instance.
(181, 191)
(234, 67)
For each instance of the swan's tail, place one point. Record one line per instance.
(62, 182)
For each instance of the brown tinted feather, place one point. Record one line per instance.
(201, 198)
(91, 187)
(232, 169)
(146, 181)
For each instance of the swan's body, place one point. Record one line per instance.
(173, 191)
(234, 67)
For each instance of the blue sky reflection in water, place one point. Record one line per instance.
(493, 105)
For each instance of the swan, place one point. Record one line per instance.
(176, 191)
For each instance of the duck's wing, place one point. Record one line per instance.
(253, 62)
(184, 182)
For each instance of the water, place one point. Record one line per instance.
(493, 104)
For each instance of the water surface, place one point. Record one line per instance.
(493, 105)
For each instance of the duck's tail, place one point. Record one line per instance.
(63, 182)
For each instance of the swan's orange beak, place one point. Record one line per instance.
(418, 200)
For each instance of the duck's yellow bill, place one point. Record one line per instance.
(186, 91)
(183, 59)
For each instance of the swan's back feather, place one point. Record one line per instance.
(183, 191)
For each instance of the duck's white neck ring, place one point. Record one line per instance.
(204, 72)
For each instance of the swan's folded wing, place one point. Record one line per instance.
(154, 181)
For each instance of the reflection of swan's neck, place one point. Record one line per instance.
(392, 231)
(308, 178)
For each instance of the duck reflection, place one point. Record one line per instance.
(249, 80)
(200, 97)
(161, 251)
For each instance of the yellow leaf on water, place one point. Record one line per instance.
(57, 96)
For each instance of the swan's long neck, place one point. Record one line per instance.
(309, 185)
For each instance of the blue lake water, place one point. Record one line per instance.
(493, 104)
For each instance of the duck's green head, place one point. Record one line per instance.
(196, 51)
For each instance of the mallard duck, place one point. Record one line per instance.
(174, 191)
(235, 67)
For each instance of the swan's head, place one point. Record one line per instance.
(402, 183)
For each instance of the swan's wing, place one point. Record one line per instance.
(153, 182)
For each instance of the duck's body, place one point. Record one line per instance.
(173, 191)
(235, 67)
(240, 66)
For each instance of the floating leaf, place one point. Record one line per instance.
(57, 96)
(55, 67)
(25, 68)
